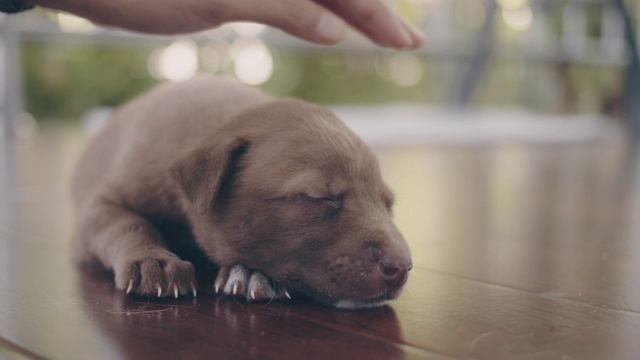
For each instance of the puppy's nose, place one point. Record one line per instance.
(394, 271)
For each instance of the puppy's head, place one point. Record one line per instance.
(287, 189)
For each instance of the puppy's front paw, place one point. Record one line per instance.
(156, 275)
(251, 284)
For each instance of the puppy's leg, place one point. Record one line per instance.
(135, 250)
(251, 284)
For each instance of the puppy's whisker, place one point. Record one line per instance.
(271, 298)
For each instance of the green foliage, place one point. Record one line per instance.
(64, 81)
(339, 79)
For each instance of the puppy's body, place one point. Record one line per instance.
(279, 193)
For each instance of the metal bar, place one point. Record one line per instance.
(10, 77)
(478, 62)
(632, 85)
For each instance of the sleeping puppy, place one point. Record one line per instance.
(280, 194)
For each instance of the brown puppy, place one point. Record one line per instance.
(279, 193)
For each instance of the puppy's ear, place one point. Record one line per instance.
(201, 173)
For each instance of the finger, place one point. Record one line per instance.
(417, 37)
(375, 20)
(301, 18)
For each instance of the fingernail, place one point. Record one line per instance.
(417, 36)
(330, 28)
(406, 39)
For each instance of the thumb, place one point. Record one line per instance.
(301, 18)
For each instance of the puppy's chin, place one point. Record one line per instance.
(360, 304)
(357, 304)
(351, 303)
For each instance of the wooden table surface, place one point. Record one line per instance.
(521, 251)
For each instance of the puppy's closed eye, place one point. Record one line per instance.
(332, 204)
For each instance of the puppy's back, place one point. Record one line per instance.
(155, 128)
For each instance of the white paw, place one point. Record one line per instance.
(252, 285)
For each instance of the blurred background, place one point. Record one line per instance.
(509, 139)
(551, 57)
(506, 137)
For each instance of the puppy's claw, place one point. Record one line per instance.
(195, 292)
(235, 288)
(221, 279)
(159, 290)
(130, 286)
(253, 294)
(175, 291)
(286, 293)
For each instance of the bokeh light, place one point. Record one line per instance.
(518, 18)
(215, 56)
(248, 29)
(220, 32)
(405, 69)
(72, 23)
(470, 14)
(252, 60)
(176, 62)
(512, 4)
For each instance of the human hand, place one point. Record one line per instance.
(318, 21)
